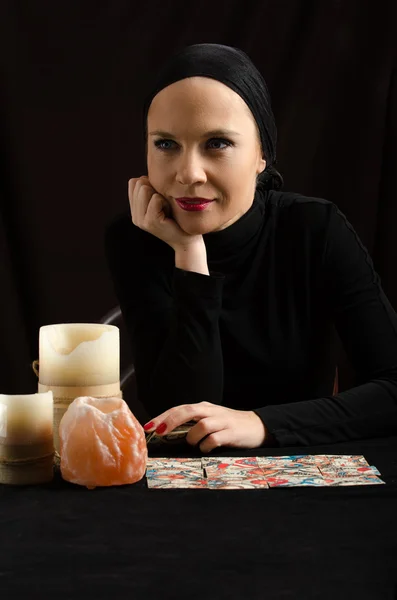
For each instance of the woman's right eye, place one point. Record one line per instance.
(164, 144)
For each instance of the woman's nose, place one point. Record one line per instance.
(190, 170)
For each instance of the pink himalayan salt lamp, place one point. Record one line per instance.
(101, 443)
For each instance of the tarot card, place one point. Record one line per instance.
(305, 471)
(176, 436)
(174, 463)
(316, 460)
(295, 481)
(224, 462)
(345, 481)
(231, 466)
(169, 478)
(233, 471)
(339, 472)
(180, 473)
(294, 462)
(344, 460)
(169, 484)
(230, 483)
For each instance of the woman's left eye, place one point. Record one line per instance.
(218, 142)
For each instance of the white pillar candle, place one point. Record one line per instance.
(79, 354)
(26, 420)
(26, 439)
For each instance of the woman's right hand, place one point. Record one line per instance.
(151, 212)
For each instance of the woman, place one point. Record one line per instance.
(231, 289)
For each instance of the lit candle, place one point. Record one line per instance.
(26, 438)
(78, 359)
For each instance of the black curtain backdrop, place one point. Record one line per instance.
(73, 79)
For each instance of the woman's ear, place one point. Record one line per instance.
(261, 166)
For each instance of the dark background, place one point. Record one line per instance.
(73, 78)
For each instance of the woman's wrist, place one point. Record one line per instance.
(192, 257)
(268, 438)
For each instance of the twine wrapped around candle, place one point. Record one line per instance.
(26, 465)
(26, 439)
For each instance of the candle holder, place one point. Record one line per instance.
(26, 439)
(77, 359)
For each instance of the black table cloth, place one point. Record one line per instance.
(63, 541)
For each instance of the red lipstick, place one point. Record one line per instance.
(193, 204)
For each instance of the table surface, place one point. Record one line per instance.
(66, 542)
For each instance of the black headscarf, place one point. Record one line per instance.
(234, 68)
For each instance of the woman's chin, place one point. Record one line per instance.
(199, 228)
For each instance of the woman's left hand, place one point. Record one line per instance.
(219, 425)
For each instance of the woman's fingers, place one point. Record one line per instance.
(209, 426)
(215, 440)
(139, 193)
(155, 209)
(131, 190)
(131, 197)
(178, 415)
(148, 208)
(153, 424)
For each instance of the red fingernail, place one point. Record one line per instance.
(161, 428)
(148, 425)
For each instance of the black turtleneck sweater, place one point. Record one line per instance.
(257, 334)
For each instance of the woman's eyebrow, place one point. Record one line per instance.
(213, 133)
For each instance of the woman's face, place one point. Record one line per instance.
(203, 142)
